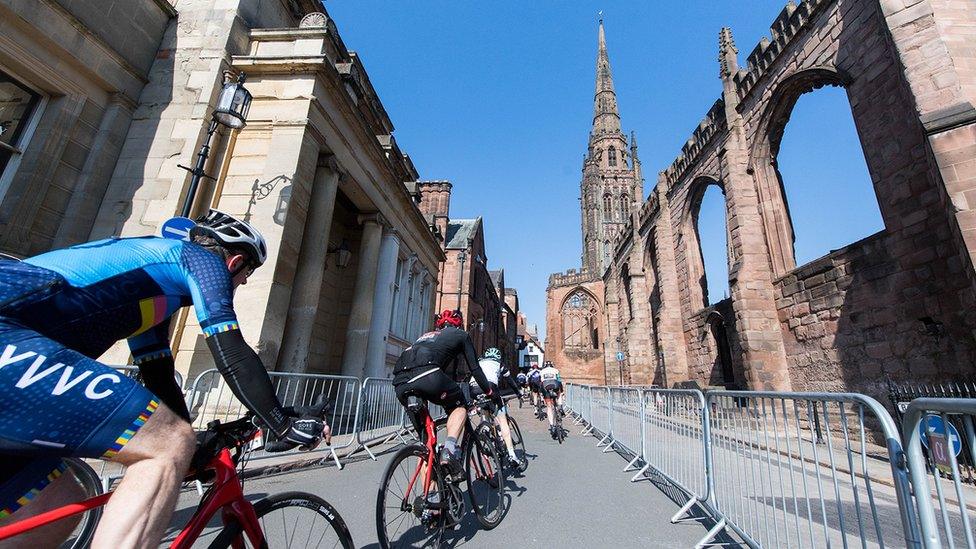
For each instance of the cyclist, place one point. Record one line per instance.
(429, 369)
(491, 365)
(523, 382)
(535, 384)
(552, 388)
(61, 309)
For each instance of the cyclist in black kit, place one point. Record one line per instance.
(428, 369)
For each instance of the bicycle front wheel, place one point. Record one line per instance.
(405, 516)
(89, 482)
(291, 519)
(486, 479)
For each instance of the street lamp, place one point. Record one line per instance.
(231, 111)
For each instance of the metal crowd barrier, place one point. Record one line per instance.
(782, 469)
(381, 416)
(211, 399)
(940, 423)
(675, 437)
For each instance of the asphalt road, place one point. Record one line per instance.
(572, 495)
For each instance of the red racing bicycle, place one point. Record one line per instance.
(418, 499)
(289, 519)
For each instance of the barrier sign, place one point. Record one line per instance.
(937, 440)
(620, 356)
(177, 228)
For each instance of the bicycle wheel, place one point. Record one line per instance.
(291, 519)
(519, 443)
(486, 478)
(560, 432)
(89, 482)
(403, 518)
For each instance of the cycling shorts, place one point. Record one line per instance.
(433, 385)
(55, 403)
(551, 389)
(535, 386)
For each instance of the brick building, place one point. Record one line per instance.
(109, 96)
(890, 307)
(465, 282)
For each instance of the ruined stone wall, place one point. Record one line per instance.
(891, 307)
(578, 365)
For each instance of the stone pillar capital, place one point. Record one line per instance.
(373, 218)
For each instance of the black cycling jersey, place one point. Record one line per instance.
(440, 349)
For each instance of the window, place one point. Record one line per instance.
(607, 205)
(612, 156)
(831, 198)
(17, 105)
(579, 321)
(713, 242)
(395, 311)
(624, 206)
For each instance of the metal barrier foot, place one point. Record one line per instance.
(371, 456)
(707, 540)
(640, 474)
(609, 446)
(684, 509)
(587, 430)
(602, 440)
(630, 464)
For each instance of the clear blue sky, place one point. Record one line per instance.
(497, 97)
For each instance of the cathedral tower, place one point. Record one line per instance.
(611, 189)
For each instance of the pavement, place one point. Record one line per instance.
(571, 495)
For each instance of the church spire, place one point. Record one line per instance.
(606, 119)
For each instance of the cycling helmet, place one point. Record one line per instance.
(493, 353)
(233, 233)
(448, 317)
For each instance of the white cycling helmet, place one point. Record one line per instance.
(233, 233)
(492, 353)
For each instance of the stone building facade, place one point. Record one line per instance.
(127, 88)
(893, 306)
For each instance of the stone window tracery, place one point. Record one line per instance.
(612, 156)
(579, 317)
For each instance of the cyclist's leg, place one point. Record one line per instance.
(157, 457)
(57, 402)
(502, 418)
(549, 410)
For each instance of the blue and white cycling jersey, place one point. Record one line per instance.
(91, 295)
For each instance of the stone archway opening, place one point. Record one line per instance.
(722, 369)
(813, 169)
(710, 218)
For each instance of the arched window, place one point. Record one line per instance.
(830, 199)
(625, 278)
(607, 205)
(624, 206)
(579, 318)
(712, 233)
(612, 156)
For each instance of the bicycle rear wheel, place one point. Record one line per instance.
(560, 432)
(291, 519)
(92, 486)
(486, 478)
(403, 517)
(519, 444)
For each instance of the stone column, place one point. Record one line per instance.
(293, 356)
(360, 316)
(671, 333)
(89, 192)
(382, 306)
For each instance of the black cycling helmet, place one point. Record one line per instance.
(233, 233)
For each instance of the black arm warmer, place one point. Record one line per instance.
(472, 359)
(247, 378)
(158, 376)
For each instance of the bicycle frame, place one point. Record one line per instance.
(431, 443)
(226, 495)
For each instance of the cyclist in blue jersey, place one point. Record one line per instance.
(60, 310)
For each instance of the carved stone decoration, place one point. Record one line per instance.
(315, 19)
